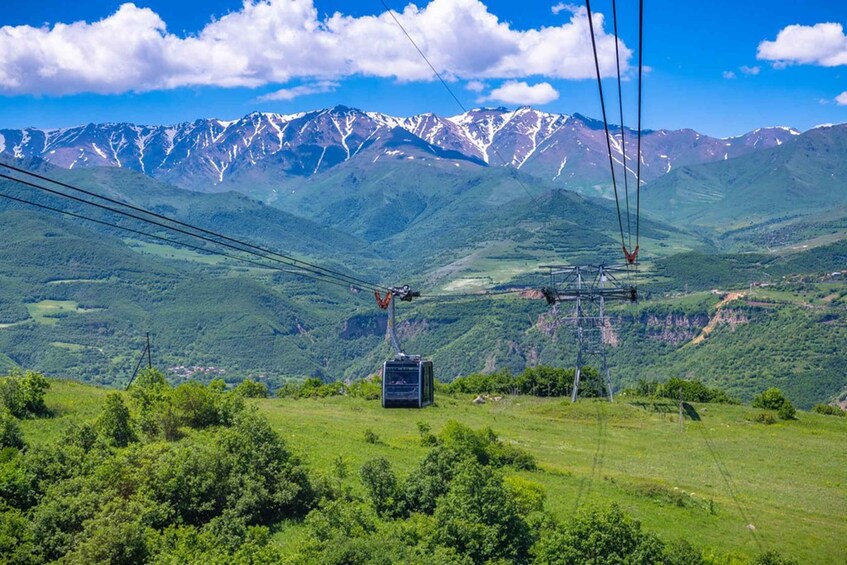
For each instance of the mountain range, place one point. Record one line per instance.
(268, 149)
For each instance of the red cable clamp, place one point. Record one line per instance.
(630, 257)
(383, 302)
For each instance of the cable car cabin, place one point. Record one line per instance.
(407, 383)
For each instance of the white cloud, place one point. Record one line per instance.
(519, 92)
(562, 7)
(841, 99)
(302, 90)
(728, 75)
(821, 44)
(750, 70)
(475, 86)
(276, 41)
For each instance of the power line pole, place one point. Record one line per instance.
(149, 354)
(588, 287)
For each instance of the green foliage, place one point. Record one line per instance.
(368, 389)
(17, 481)
(681, 552)
(252, 389)
(10, 431)
(774, 399)
(529, 496)
(479, 517)
(371, 436)
(688, 390)
(828, 410)
(764, 418)
(484, 446)
(381, 485)
(772, 557)
(114, 423)
(22, 394)
(787, 411)
(605, 536)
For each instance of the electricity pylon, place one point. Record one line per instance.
(588, 287)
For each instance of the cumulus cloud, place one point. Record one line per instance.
(821, 44)
(519, 92)
(562, 7)
(750, 70)
(475, 86)
(277, 41)
(841, 99)
(728, 75)
(301, 90)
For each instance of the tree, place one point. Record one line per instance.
(195, 405)
(602, 537)
(381, 485)
(33, 388)
(479, 517)
(251, 389)
(114, 422)
(774, 399)
(270, 482)
(23, 394)
(149, 378)
(10, 431)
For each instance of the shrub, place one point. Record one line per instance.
(772, 558)
(828, 410)
(195, 405)
(529, 496)
(787, 412)
(10, 431)
(599, 536)
(764, 418)
(368, 389)
(252, 389)
(480, 517)
(381, 485)
(114, 422)
(23, 394)
(771, 399)
(371, 437)
(774, 399)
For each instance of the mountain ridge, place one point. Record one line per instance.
(205, 154)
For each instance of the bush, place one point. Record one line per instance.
(252, 389)
(114, 422)
(195, 405)
(368, 389)
(599, 536)
(371, 437)
(787, 412)
(828, 410)
(764, 418)
(23, 394)
(480, 518)
(381, 485)
(771, 399)
(10, 431)
(772, 558)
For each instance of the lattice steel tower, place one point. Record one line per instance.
(588, 287)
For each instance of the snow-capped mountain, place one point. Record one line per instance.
(569, 150)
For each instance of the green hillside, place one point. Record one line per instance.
(728, 485)
(788, 183)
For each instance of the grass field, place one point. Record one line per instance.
(711, 483)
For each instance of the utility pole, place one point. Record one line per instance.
(588, 287)
(149, 354)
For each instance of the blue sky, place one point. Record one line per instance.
(704, 71)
